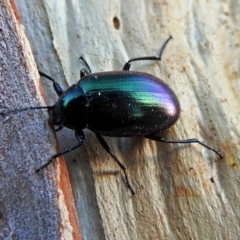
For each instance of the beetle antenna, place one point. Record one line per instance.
(24, 109)
(41, 107)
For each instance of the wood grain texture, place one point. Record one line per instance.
(183, 192)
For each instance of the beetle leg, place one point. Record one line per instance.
(58, 129)
(80, 137)
(184, 141)
(88, 67)
(83, 73)
(58, 89)
(108, 150)
(127, 65)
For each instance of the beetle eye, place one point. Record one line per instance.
(56, 116)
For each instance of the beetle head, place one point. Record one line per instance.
(70, 109)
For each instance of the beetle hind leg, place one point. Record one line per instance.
(184, 141)
(127, 65)
(124, 169)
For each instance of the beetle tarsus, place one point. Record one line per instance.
(163, 47)
(80, 137)
(184, 141)
(124, 169)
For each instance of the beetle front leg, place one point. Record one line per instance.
(108, 150)
(80, 137)
(85, 72)
(184, 141)
(58, 89)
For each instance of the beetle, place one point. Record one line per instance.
(117, 104)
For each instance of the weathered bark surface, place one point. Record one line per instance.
(183, 192)
(32, 206)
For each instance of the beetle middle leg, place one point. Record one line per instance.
(127, 65)
(108, 150)
(184, 141)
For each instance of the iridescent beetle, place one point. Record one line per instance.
(118, 104)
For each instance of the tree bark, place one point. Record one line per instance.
(182, 191)
(32, 206)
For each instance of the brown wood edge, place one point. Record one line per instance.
(65, 197)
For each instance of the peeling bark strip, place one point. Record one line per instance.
(32, 206)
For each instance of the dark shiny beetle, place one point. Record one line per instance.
(119, 104)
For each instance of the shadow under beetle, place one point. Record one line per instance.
(118, 104)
